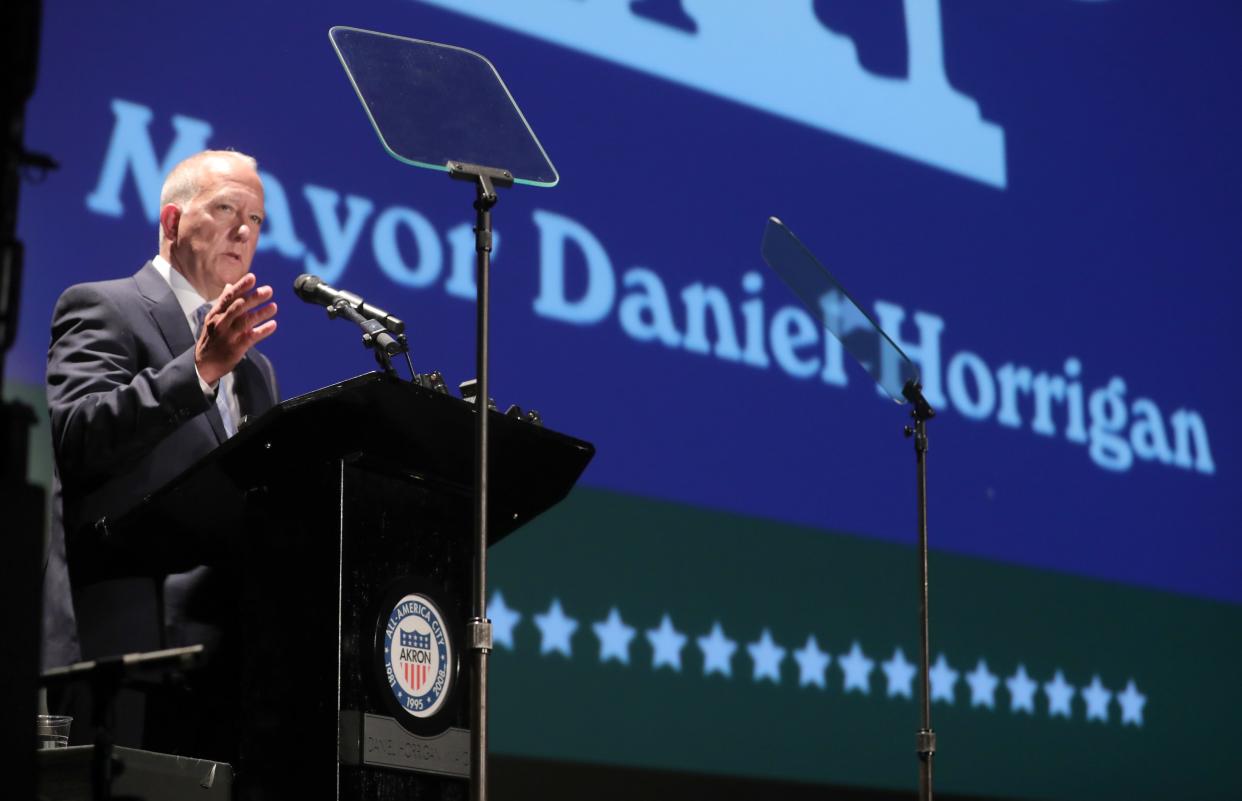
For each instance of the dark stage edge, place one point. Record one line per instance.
(521, 779)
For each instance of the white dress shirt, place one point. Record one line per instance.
(189, 300)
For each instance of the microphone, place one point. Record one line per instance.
(312, 289)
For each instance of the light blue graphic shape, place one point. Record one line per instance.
(1132, 702)
(767, 657)
(982, 684)
(556, 629)
(666, 644)
(780, 58)
(503, 618)
(857, 668)
(614, 637)
(717, 651)
(1021, 691)
(1097, 697)
(900, 674)
(943, 680)
(1059, 693)
(812, 663)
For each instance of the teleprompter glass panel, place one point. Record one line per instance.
(827, 301)
(432, 103)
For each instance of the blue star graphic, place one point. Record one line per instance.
(1097, 697)
(666, 644)
(943, 681)
(982, 685)
(503, 620)
(857, 669)
(1021, 691)
(900, 673)
(1059, 695)
(614, 638)
(767, 656)
(812, 663)
(717, 651)
(1132, 702)
(556, 629)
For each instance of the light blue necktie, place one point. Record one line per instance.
(226, 416)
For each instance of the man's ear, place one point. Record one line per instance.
(170, 218)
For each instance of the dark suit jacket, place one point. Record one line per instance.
(127, 415)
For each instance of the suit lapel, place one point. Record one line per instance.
(166, 313)
(164, 309)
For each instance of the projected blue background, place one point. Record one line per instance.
(1038, 200)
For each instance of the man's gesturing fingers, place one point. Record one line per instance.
(236, 309)
(234, 291)
(259, 323)
(237, 320)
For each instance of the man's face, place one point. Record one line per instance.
(218, 229)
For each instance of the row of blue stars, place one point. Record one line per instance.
(556, 631)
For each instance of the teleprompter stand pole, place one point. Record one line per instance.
(815, 286)
(479, 631)
(925, 739)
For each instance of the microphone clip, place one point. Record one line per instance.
(374, 335)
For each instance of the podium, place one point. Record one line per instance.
(340, 521)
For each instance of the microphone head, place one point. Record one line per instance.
(304, 285)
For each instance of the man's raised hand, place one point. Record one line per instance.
(237, 321)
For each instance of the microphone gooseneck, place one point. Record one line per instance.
(312, 289)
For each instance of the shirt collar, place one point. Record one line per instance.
(187, 296)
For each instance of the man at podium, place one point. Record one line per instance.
(146, 375)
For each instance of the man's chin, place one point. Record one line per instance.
(230, 270)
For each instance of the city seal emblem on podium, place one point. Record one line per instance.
(418, 656)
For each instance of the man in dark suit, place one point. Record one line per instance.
(146, 375)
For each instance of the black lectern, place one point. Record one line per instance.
(342, 520)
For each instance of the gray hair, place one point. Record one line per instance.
(182, 183)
